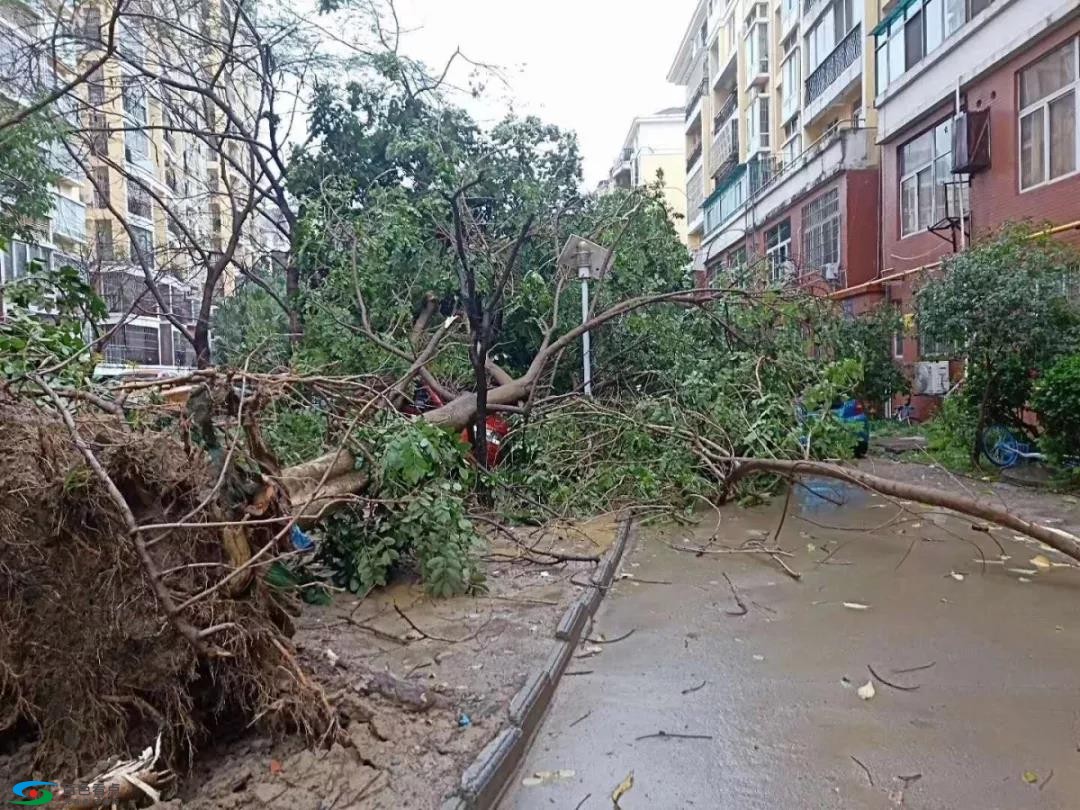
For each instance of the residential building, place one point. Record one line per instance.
(783, 173)
(147, 190)
(26, 73)
(979, 125)
(653, 149)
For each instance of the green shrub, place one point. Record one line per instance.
(1057, 402)
(420, 521)
(951, 433)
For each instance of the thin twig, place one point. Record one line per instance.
(743, 610)
(866, 770)
(579, 805)
(611, 640)
(888, 683)
(912, 669)
(580, 719)
(426, 634)
(692, 550)
(672, 734)
(694, 688)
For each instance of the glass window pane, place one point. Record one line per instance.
(1063, 135)
(908, 207)
(942, 175)
(934, 24)
(943, 138)
(913, 37)
(917, 153)
(882, 66)
(926, 197)
(954, 15)
(1032, 161)
(1048, 75)
(896, 55)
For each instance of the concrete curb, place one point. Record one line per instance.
(490, 773)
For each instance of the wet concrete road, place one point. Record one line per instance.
(779, 703)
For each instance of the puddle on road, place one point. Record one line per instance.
(816, 496)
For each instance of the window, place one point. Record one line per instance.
(758, 124)
(134, 98)
(821, 231)
(757, 60)
(139, 202)
(99, 134)
(791, 150)
(905, 39)
(103, 243)
(133, 344)
(91, 23)
(820, 42)
(925, 169)
(95, 88)
(778, 250)
(142, 242)
(102, 192)
(914, 47)
(1048, 117)
(791, 88)
(20, 257)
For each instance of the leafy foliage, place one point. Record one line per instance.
(45, 327)
(25, 175)
(1057, 402)
(420, 521)
(868, 338)
(1002, 305)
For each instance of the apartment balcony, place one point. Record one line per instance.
(757, 72)
(724, 153)
(840, 70)
(789, 17)
(68, 218)
(622, 172)
(695, 196)
(725, 75)
(693, 101)
(694, 157)
(726, 111)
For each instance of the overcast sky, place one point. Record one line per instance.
(587, 65)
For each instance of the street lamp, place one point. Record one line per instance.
(591, 261)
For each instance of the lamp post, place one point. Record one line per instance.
(584, 271)
(590, 260)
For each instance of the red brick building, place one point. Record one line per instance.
(980, 129)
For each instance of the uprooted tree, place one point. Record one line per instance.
(422, 266)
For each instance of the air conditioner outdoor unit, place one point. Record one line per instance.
(971, 142)
(931, 378)
(831, 271)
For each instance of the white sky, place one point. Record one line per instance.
(587, 65)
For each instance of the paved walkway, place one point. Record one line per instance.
(994, 722)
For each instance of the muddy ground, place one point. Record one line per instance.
(740, 686)
(467, 656)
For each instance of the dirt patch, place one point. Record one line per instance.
(421, 685)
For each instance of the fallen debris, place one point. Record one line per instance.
(866, 691)
(890, 683)
(869, 776)
(673, 735)
(694, 688)
(622, 789)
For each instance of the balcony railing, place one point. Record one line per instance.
(844, 54)
(695, 97)
(69, 218)
(725, 149)
(725, 113)
(693, 157)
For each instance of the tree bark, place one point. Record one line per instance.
(1068, 544)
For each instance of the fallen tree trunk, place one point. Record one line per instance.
(1068, 544)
